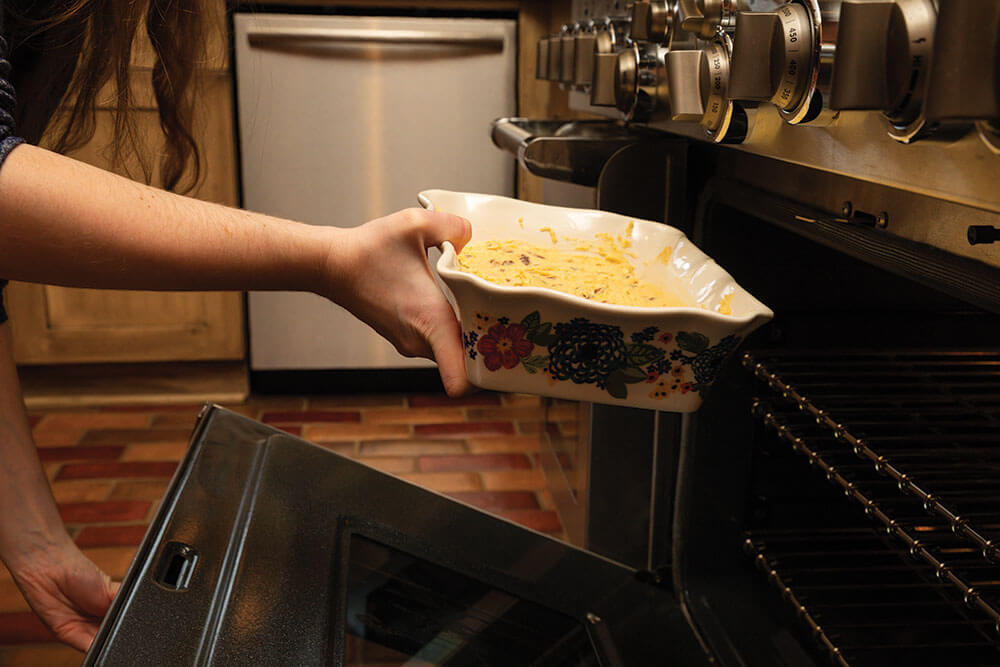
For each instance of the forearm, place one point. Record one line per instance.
(29, 519)
(67, 223)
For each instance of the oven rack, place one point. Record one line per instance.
(936, 391)
(924, 402)
(906, 618)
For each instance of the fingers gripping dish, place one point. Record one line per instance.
(645, 318)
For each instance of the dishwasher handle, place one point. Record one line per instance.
(311, 38)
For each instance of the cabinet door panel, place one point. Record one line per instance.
(55, 325)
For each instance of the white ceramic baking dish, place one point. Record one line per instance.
(540, 341)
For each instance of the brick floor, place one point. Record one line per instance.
(111, 465)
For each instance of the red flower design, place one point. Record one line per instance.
(504, 345)
(666, 337)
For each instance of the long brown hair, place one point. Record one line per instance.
(100, 36)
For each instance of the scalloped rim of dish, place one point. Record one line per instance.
(447, 268)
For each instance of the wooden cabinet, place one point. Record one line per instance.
(56, 325)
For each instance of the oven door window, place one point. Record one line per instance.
(270, 550)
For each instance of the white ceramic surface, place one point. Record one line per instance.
(539, 341)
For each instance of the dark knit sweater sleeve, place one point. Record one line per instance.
(8, 140)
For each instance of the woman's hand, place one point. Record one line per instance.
(67, 591)
(379, 271)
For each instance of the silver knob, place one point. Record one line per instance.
(699, 91)
(704, 18)
(542, 58)
(883, 60)
(567, 53)
(641, 82)
(554, 70)
(654, 21)
(776, 59)
(583, 57)
(964, 82)
(608, 40)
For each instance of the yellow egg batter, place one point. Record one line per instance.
(601, 271)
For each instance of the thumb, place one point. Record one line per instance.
(443, 227)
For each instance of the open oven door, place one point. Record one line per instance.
(270, 550)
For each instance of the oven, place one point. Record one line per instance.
(836, 498)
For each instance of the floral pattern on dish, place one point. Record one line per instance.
(585, 352)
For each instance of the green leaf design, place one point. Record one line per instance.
(641, 354)
(692, 342)
(615, 384)
(530, 324)
(632, 374)
(535, 361)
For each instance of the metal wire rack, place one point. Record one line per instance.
(914, 438)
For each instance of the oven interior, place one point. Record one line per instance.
(837, 495)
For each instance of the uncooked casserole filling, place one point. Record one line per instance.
(600, 270)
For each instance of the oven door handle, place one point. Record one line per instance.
(319, 39)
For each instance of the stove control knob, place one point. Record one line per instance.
(641, 82)
(883, 60)
(609, 39)
(776, 60)
(654, 21)
(705, 18)
(567, 52)
(554, 69)
(542, 58)
(964, 83)
(699, 91)
(583, 55)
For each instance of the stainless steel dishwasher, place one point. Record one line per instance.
(343, 119)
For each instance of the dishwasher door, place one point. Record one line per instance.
(344, 119)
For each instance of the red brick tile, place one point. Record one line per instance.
(544, 521)
(111, 536)
(439, 400)
(81, 490)
(348, 431)
(472, 463)
(505, 413)
(521, 399)
(157, 451)
(498, 500)
(179, 420)
(302, 416)
(79, 453)
(565, 461)
(192, 408)
(126, 436)
(445, 482)
(514, 443)
(61, 438)
(70, 420)
(513, 480)
(141, 490)
(411, 447)
(336, 402)
(110, 470)
(463, 430)
(412, 415)
(104, 511)
(40, 655)
(23, 628)
(394, 465)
